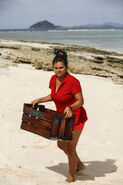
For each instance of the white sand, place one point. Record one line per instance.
(29, 159)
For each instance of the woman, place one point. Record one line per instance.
(67, 94)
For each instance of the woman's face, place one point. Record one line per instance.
(59, 68)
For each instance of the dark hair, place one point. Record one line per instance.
(61, 55)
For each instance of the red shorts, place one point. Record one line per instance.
(79, 126)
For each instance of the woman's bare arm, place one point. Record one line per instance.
(41, 100)
(78, 103)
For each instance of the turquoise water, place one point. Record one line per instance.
(104, 39)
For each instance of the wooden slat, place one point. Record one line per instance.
(55, 127)
(36, 130)
(35, 113)
(54, 113)
(62, 128)
(40, 123)
(69, 129)
(41, 107)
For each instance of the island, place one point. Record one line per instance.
(46, 25)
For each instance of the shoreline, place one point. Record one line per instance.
(119, 51)
(82, 59)
(106, 41)
(58, 43)
(41, 44)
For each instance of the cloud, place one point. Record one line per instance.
(26, 2)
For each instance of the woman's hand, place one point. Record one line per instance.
(68, 112)
(34, 102)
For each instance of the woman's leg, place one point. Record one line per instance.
(80, 165)
(76, 164)
(72, 155)
(63, 146)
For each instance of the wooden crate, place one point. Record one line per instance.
(47, 123)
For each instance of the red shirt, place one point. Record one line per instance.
(65, 96)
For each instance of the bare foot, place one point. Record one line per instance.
(80, 167)
(70, 179)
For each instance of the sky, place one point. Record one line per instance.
(23, 13)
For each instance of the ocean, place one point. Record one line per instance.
(103, 39)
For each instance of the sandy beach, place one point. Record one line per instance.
(26, 158)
